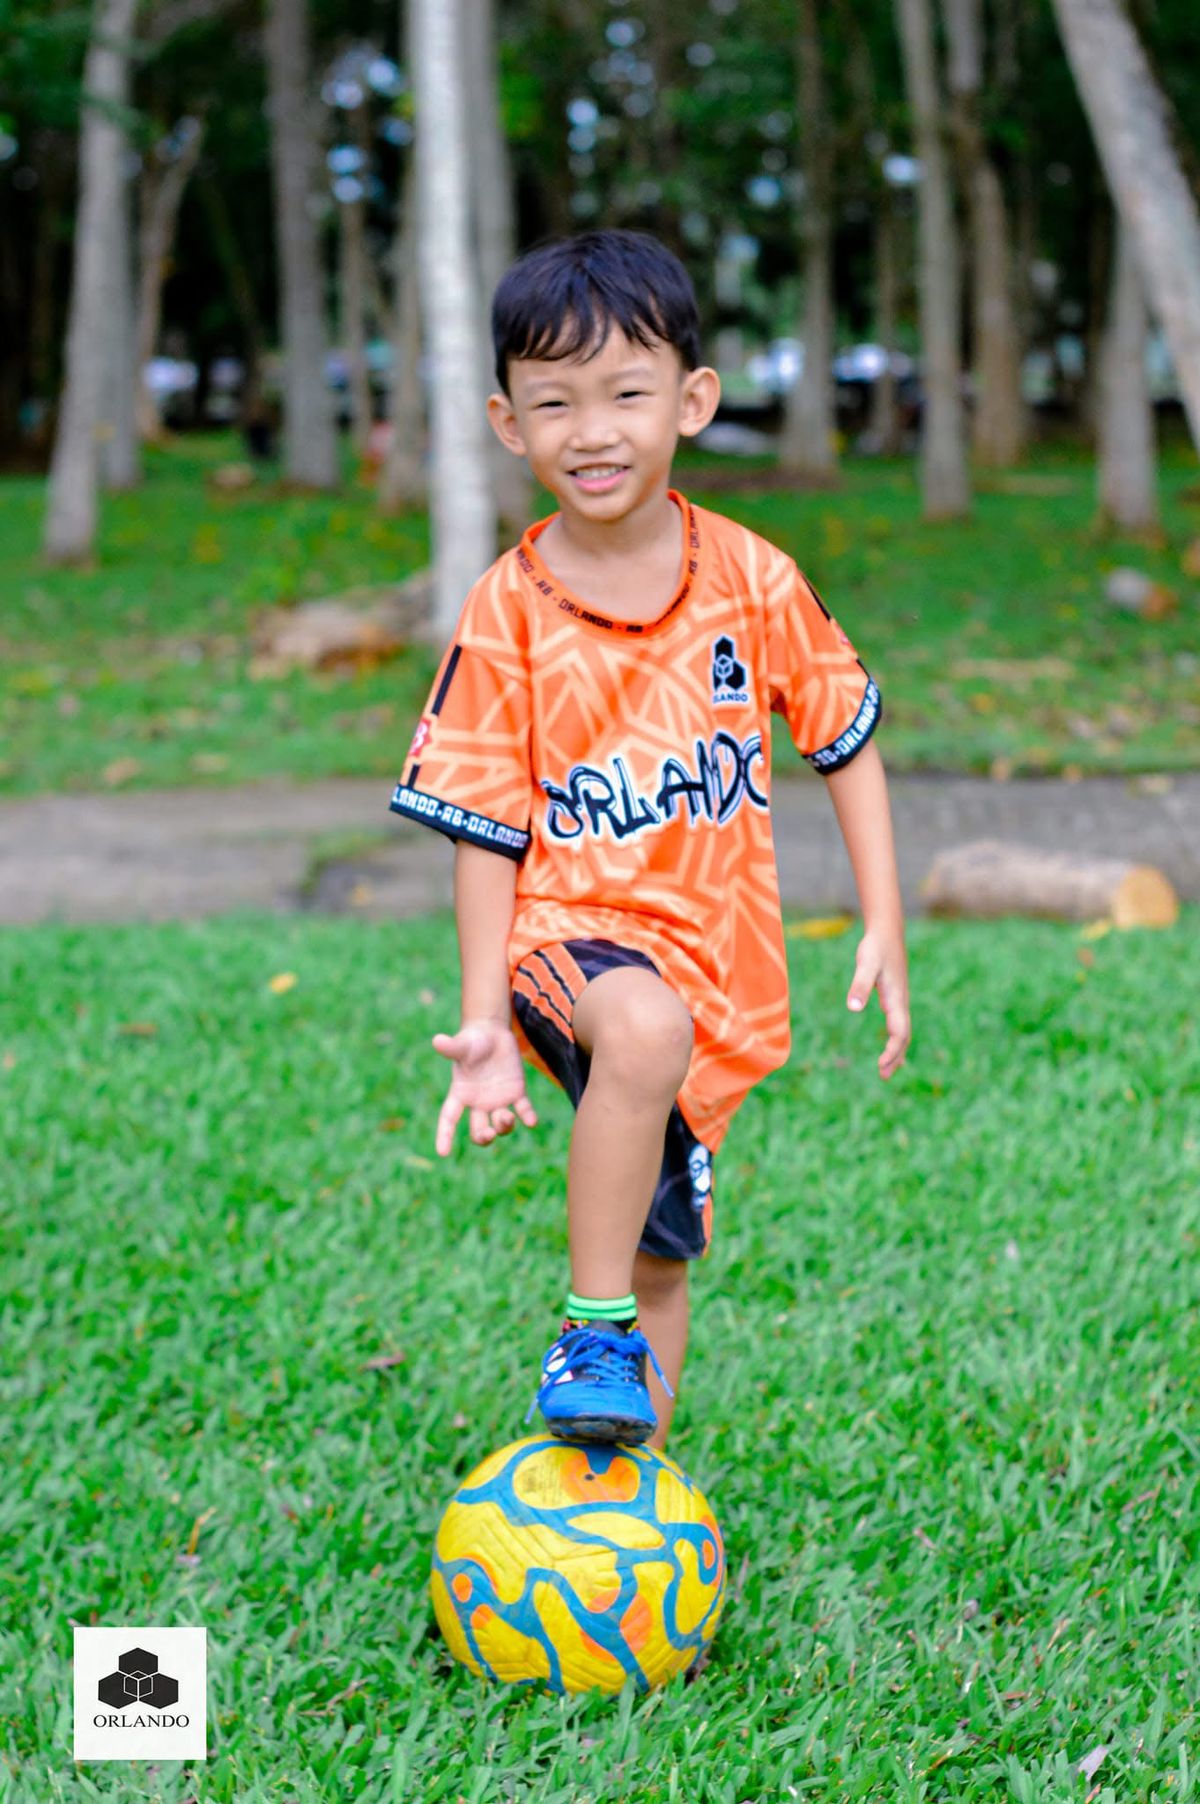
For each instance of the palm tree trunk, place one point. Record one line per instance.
(464, 518)
(71, 508)
(1126, 466)
(944, 479)
(808, 446)
(310, 452)
(1129, 118)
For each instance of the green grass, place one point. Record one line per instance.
(941, 1387)
(135, 672)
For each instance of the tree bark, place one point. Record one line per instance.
(162, 196)
(997, 424)
(1126, 464)
(495, 234)
(464, 518)
(70, 525)
(310, 450)
(402, 480)
(1129, 119)
(944, 478)
(808, 445)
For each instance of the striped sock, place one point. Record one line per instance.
(621, 1311)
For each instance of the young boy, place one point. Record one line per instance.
(597, 742)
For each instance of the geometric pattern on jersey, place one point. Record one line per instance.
(546, 986)
(625, 766)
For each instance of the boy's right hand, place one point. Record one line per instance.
(489, 1080)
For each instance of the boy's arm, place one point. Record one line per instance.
(488, 1081)
(485, 888)
(860, 799)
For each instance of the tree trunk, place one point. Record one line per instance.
(1128, 498)
(352, 245)
(310, 452)
(240, 287)
(998, 415)
(495, 234)
(808, 447)
(944, 479)
(120, 453)
(885, 411)
(464, 519)
(1128, 115)
(402, 480)
(162, 196)
(70, 526)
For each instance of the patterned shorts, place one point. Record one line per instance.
(546, 986)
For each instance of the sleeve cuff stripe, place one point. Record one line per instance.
(457, 822)
(843, 748)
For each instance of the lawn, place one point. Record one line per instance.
(940, 1390)
(990, 640)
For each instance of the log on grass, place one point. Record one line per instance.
(990, 877)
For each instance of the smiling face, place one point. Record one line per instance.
(600, 431)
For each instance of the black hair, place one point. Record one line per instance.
(562, 298)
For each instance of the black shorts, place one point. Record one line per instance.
(546, 986)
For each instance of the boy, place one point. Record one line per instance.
(597, 742)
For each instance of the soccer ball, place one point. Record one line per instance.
(574, 1566)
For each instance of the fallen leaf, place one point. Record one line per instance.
(393, 1124)
(283, 981)
(120, 771)
(426, 996)
(459, 1421)
(422, 1164)
(197, 1525)
(144, 1029)
(1095, 930)
(362, 894)
(209, 762)
(1086, 956)
(1000, 770)
(383, 1362)
(820, 927)
(1090, 1762)
(9, 1060)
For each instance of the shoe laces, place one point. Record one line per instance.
(614, 1353)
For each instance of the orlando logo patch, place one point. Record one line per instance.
(728, 672)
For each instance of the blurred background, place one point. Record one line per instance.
(948, 261)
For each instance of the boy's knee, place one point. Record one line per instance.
(656, 1280)
(637, 1029)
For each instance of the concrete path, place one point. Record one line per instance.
(181, 854)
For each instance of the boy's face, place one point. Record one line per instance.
(600, 432)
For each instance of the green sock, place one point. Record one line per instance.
(621, 1310)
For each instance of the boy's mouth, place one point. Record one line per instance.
(597, 479)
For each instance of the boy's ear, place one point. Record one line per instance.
(698, 401)
(504, 423)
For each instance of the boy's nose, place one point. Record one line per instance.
(594, 432)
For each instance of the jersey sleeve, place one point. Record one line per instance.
(467, 772)
(828, 698)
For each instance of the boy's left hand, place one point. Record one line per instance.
(880, 964)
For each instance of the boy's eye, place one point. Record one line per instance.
(631, 394)
(542, 404)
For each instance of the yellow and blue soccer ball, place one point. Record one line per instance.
(570, 1566)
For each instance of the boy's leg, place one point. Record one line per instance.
(661, 1287)
(638, 1035)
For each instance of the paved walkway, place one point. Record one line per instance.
(180, 854)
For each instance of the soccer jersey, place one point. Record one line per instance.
(626, 767)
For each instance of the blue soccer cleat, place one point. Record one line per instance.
(594, 1384)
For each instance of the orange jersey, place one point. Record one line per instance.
(626, 766)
